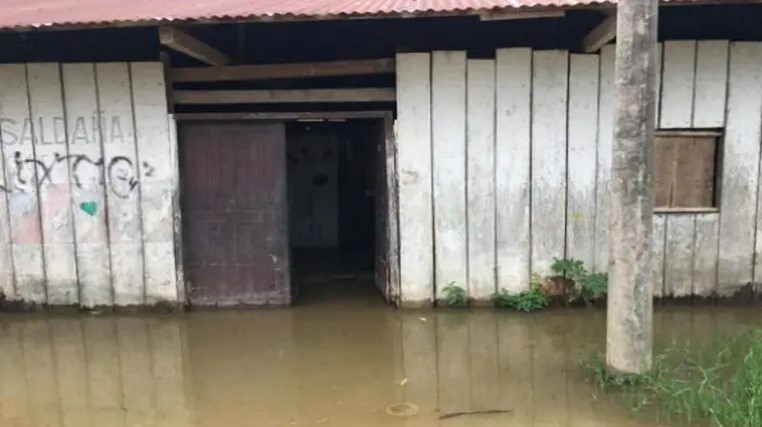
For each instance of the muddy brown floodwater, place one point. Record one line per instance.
(323, 364)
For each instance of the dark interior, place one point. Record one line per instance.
(332, 172)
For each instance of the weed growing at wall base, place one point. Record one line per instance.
(455, 296)
(722, 386)
(529, 300)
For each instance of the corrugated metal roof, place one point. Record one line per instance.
(45, 13)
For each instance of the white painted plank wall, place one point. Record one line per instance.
(550, 74)
(415, 177)
(88, 192)
(156, 180)
(677, 84)
(448, 126)
(657, 261)
(711, 83)
(481, 178)
(7, 276)
(23, 201)
(49, 129)
(603, 164)
(512, 155)
(740, 168)
(705, 254)
(678, 274)
(583, 123)
(123, 192)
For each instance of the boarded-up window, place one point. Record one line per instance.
(684, 170)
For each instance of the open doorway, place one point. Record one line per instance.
(334, 188)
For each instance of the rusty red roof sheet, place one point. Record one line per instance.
(46, 13)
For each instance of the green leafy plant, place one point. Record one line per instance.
(589, 287)
(455, 296)
(530, 300)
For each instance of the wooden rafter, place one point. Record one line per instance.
(210, 97)
(601, 35)
(185, 43)
(284, 71)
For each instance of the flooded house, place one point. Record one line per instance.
(228, 152)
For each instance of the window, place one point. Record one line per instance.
(685, 170)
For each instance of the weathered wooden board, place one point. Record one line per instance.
(23, 202)
(678, 268)
(549, 105)
(481, 178)
(677, 84)
(7, 279)
(603, 166)
(392, 220)
(740, 167)
(659, 62)
(448, 127)
(415, 177)
(583, 120)
(122, 182)
(705, 254)
(512, 163)
(657, 254)
(157, 187)
(51, 157)
(711, 83)
(88, 199)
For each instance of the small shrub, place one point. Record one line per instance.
(530, 300)
(455, 296)
(589, 287)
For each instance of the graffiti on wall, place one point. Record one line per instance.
(28, 170)
(52, 130)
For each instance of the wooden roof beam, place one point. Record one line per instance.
(601, 35)
(210, 97)
(185, 43)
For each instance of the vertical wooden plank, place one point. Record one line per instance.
(678, 274)
(71, 371)
(550, 75)
(705, 255)
(583, 120)
(512, 153)
(448, 138)
(122, 182)
(21, 182)
(7, 279)
(392, 223)
(694, 172)
(659, 71)
(481, 178)
(677, 84)
(657, 261)
(603, 166)
(711, 83)
(88, 192)
(51, 156)
(740, 168)
(414, 167)
(157, 188)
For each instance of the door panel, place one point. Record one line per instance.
(235, 218)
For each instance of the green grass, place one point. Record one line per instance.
(720, 386)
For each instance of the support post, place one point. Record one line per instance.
(629, 332)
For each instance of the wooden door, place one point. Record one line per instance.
(235, 213)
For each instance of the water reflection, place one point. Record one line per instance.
(331, 365)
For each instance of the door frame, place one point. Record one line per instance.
(392, 244)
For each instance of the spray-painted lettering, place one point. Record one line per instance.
(53, 130)
(119, 174)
